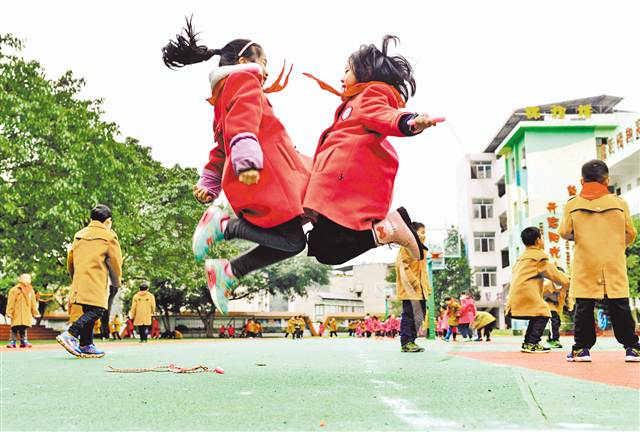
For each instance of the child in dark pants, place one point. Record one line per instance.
(483, 322)
(413, 290)
(93, 259)
(555, 300)
(21, 309)
(600, 225)
(525, 299)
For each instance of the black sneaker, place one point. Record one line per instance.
(411, 347)
(534, 348)
(555, 343)
(632, 354)
(579, 355)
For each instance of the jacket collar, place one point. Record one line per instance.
(97, 224)
(534, 253)
(218, 76)
(593, 190)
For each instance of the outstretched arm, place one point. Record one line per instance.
(550, 271)
(380, 115)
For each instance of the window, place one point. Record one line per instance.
(505, 257)
(485, 277)
(482, 208)
(601, 148)
(516, 214)
(503, 222)
(628, 187)
(501, 187)
(484, 241)
(618, 191)
(480, 169)
(523, 162)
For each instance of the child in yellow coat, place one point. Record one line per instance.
(555, 300)
(21, 309)
(599, 223)
(525, 295)
(115, 327)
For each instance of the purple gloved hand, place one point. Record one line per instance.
(246, 153)
(210, 181)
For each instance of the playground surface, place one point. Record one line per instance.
(320, 384)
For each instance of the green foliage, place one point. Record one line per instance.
(391, 274)
(455, 278)
(633, 262)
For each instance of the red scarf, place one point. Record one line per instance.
(593, 190)
(273, 88)
(355, 89)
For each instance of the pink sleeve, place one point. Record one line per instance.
(246, 153)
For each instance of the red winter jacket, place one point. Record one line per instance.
(242, 109)
(354, 167)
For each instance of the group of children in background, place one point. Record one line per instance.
(295, 327)
(463, 318)
(600, 225)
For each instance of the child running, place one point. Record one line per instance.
(94, 258)
(525, 299)
(354, 167)
(599, 223)
(254, 162)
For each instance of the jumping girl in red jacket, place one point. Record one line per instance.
(354, 167)
(254, 162)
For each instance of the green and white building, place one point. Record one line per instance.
(530, 165)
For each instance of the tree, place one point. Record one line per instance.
(58, 159)
(455, 278)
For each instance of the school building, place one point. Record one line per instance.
(528, 171)
(353, 289)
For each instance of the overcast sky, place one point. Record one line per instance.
(475, 62)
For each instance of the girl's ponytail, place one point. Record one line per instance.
(184, 50)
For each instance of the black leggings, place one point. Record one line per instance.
(274, 244)
(83, 326)
(334, 244)
(19, 330)
(144, 332)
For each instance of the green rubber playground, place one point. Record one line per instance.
(319, 384)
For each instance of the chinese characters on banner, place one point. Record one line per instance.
(553, 238)
(617, 143)
(492, 294)
(558, 112)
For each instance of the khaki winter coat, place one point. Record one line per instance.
(143, 307)
(601, 230)
(482, 320)
(412, 279)
(93, 259)
(21, 305)
(527, 284)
